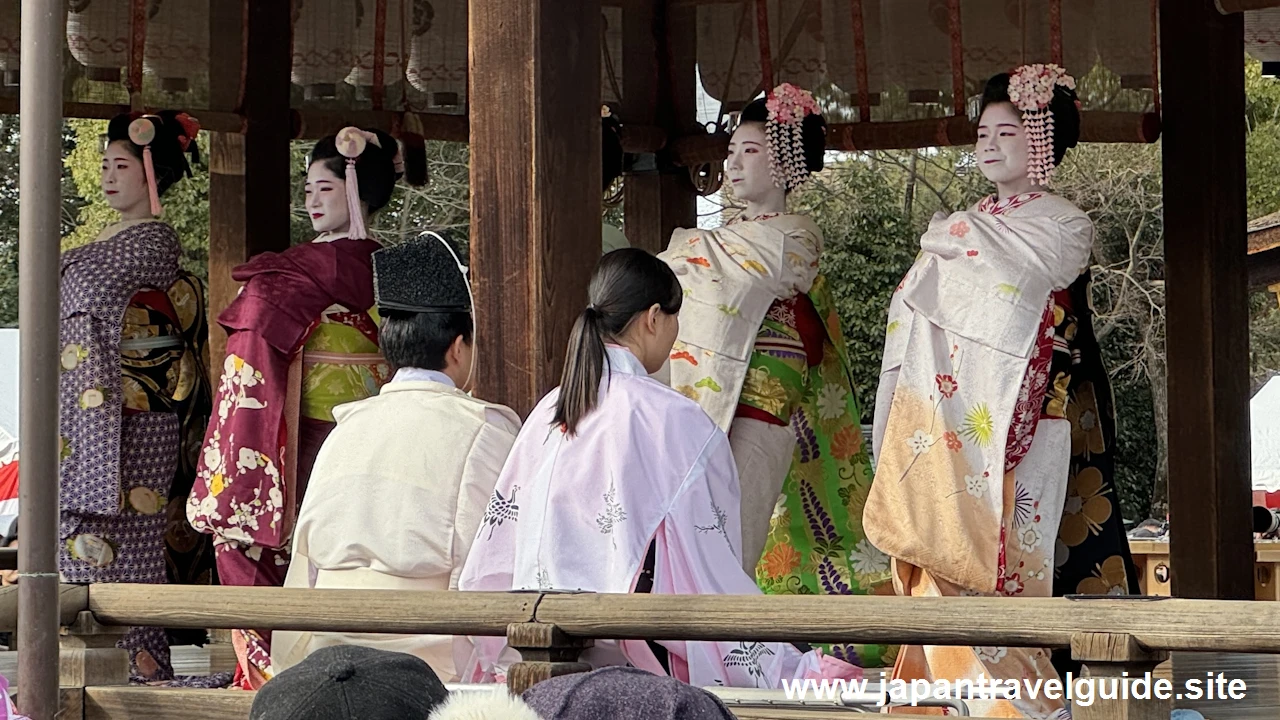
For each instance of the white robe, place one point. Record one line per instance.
(578, 513)
(397, 493)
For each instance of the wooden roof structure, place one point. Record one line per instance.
(523, 80)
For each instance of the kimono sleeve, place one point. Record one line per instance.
(1055, 248)
(701, 555)
(479, 477)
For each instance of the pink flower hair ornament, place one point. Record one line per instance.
(1031, 89)
(788, 106)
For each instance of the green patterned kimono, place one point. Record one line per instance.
(816, 545)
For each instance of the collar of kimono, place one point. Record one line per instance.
(421, 375)
(621, 360)
(759, 218)
(992, 205)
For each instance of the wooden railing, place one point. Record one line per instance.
(1109, 635)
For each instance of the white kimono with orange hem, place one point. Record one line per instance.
(578, 513)
(956, 520)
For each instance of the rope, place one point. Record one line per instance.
(1055, 31)
(137, 50)
(958, 104)
(766, 57)
(379, 53)
(860, 61)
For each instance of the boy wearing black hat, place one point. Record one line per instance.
(402, 482)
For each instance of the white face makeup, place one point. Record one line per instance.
(326, 200)
(1002, 145)
(124, 182)
(746, 169)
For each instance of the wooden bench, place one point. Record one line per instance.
(1155, 572)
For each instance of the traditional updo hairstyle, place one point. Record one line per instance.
(376, 171)
(814, 135)
(1063, 107)
(174, 139)
(626, 283)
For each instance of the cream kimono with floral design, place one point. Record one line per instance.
(954, 515)
(731, 275)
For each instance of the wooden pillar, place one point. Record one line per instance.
(535, 186)
(661, 89)
(1110, 658)
(249, 176)
(1202, 73)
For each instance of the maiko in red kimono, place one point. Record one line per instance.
(251, 476)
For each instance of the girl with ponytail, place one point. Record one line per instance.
(613, 471)
(634, 303)
(302, 338)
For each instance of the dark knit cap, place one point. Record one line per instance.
(622, 693)
(347, 682)
(420, 275)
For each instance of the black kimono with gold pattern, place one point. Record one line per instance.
(1092, 556)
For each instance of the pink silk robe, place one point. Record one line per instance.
(579, 513)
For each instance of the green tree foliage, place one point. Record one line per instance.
(71, 202)
(869, 244)
(8, 220)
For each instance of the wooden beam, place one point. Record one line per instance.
(1101, 127)
(1156, 624)
(1202, 59)
(643, 137)
(72, 600)
(1235, 6)
(128, 702)
(1153, 623)
(315, 124)
(535, 186)
(249, 178)
(390, 611)
(1264, 268)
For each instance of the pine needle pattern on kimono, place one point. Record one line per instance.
(721, 518)
(612, 513)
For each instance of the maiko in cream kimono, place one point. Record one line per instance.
(394, 502)
(963, 505)
(731, 275)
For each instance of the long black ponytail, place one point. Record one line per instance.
(626, 283)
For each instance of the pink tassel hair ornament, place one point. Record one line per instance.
(1031, 89)
(351, 143)
(142, 132)
(788, 106)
